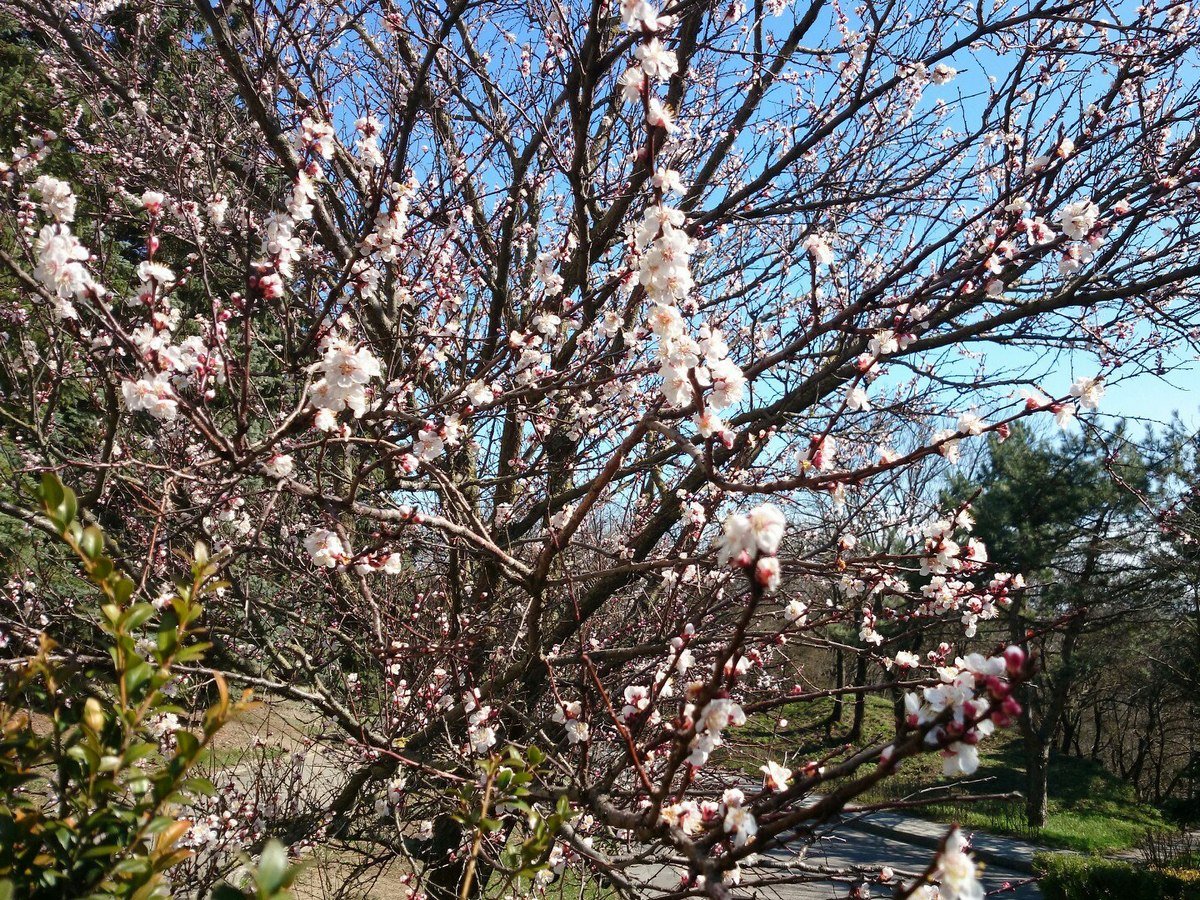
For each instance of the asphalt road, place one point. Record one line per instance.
(857, 858)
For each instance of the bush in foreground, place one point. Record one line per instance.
(1069, 877)
(92, 768)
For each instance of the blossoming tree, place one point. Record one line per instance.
(535, 370)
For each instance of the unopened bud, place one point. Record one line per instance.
(1014, 659)
(93, 715)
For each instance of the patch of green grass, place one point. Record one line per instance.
(1089, 809)
(228, 757)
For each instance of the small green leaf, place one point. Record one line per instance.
(123, 590)
(272, 867)
(489, 826)
(138, 615)
(187, 744)
(92, 542)
(137, 751)
(137, 675)
(52, 490)
(193, 652)
(201, 786)
(67, 507)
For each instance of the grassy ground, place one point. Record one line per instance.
(1089, 810)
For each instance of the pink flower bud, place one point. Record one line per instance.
(766, 573)
(998, 688)
(1014, 659)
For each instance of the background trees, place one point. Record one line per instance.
(459, 327)
(1071, 519)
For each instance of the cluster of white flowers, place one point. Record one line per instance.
(346, 371)
(818, 248)
(1086, 391)
(956, 871)
(388, 563)
(60, 268)
(392, 796)
(58, 200)
(943, 554)
(326, 548)
(972, 698)
(664, 250)
(739, 822)
(154, 395)
(690, 816)
(279, 465)
(753, 540)
(717, 715)
(217, 208)
(796, 612)
(1078, 219)
(685, 362)
(866, 631)
(391, 225)
(856, 398)
(637, 702)
(904, 659)
(316, 137)
(429, 445)
(282, 247)
(569, 715)
(775, 776)
(1080, 222)
(367, 145)
(821, 454)
(480, 735)
(27, 156)
(943, 595)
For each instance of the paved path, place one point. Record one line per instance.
(856, 850)
(1003, 852)
(852, 855)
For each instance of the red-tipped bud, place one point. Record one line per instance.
(998, 687)
(1014, 659)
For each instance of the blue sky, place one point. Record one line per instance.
(1153, 399)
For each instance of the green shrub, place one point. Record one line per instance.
(88, 793)
(1069, 877)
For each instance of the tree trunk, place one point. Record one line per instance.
(860, 700)
(1037, 762)
(839, 679)
(445, 873)
(447, 867)
(1070, 725)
